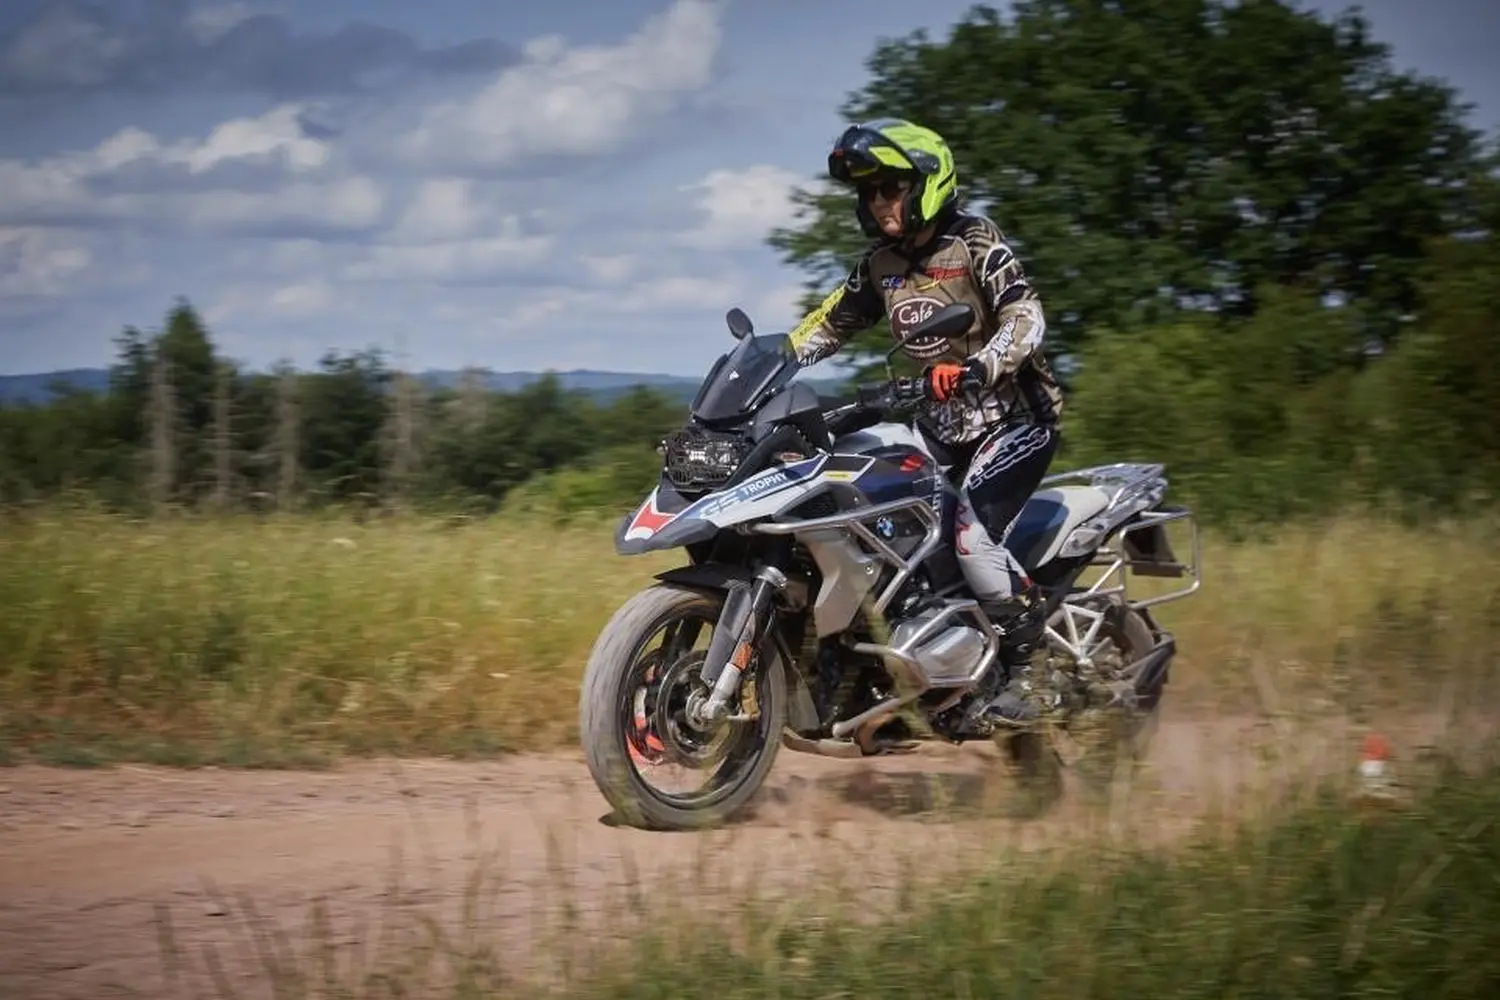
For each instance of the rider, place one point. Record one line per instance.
(927, 253)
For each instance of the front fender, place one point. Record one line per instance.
(709, 576)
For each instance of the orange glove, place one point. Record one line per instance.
(943, 381)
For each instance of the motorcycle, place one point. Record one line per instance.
(820, 561)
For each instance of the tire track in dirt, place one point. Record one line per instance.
(88, 858)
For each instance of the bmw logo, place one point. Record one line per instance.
(886, 527)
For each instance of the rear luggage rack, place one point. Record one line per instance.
(1135, 491)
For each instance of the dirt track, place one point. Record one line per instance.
(87, 857)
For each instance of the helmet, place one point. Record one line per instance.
(893, 147)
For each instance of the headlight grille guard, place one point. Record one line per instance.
(696, 458)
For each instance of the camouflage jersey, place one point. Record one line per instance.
(966, 261)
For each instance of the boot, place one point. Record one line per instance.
(1020, 620)
(1021, 623)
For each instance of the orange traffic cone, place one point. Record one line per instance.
(1375, 780)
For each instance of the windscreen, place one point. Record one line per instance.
(742, 378)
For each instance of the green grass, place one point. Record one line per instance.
(292, 640)
(285, 640)
(1327, 902)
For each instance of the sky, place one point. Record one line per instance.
(514, 185)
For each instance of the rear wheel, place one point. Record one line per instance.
(633, 720)
(1107, 730)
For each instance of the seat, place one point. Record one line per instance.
(1047, 520)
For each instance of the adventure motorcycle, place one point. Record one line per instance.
(820, 562)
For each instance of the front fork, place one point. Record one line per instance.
(742, 627)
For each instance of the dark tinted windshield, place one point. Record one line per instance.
(746, 375)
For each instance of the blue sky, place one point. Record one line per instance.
(514, 185)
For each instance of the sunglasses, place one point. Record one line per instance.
(889, 189)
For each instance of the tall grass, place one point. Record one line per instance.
(1324, 902)
(288, 639)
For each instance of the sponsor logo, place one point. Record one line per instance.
(946, 273)
(766, 483)
(892, 281)
(907, 315)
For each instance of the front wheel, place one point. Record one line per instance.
(633, 713)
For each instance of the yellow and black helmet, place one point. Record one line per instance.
(892, 147)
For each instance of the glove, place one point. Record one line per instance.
(944, 381)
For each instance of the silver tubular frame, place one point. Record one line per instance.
(1134, 491)
(911, 679)
(853, 521)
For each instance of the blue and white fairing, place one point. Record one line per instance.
(751, 387)
(666, 519)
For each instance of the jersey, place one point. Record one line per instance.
(968, 261)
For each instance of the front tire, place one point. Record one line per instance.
(609, 684)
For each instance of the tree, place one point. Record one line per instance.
(188, 352)
(1149, 157)
(342, 410)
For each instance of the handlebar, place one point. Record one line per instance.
(905, 391)
(872, 399)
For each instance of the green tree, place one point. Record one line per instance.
(1151, 156)
(1430, 406)
(188, 350)
(343, 409)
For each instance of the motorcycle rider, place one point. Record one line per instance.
(992, 404)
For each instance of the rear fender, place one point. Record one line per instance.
(1151, 672)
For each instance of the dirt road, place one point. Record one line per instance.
(88, 859)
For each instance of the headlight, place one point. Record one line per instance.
(696, 458)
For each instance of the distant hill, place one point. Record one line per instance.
(15, 389)
(37, 388)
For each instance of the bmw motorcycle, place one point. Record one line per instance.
(821, 608)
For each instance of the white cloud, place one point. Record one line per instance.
(352, 203)
(777, 309)
(303, 297)
(664, 296)
(574, 100)
(60, 46)
(443, 208)
(742, 206)
(672, 293)
(132, 176)
(40, 262)
(211, 22)
(278, 131)
(275, 137)
(506, 247)
(611, 269)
